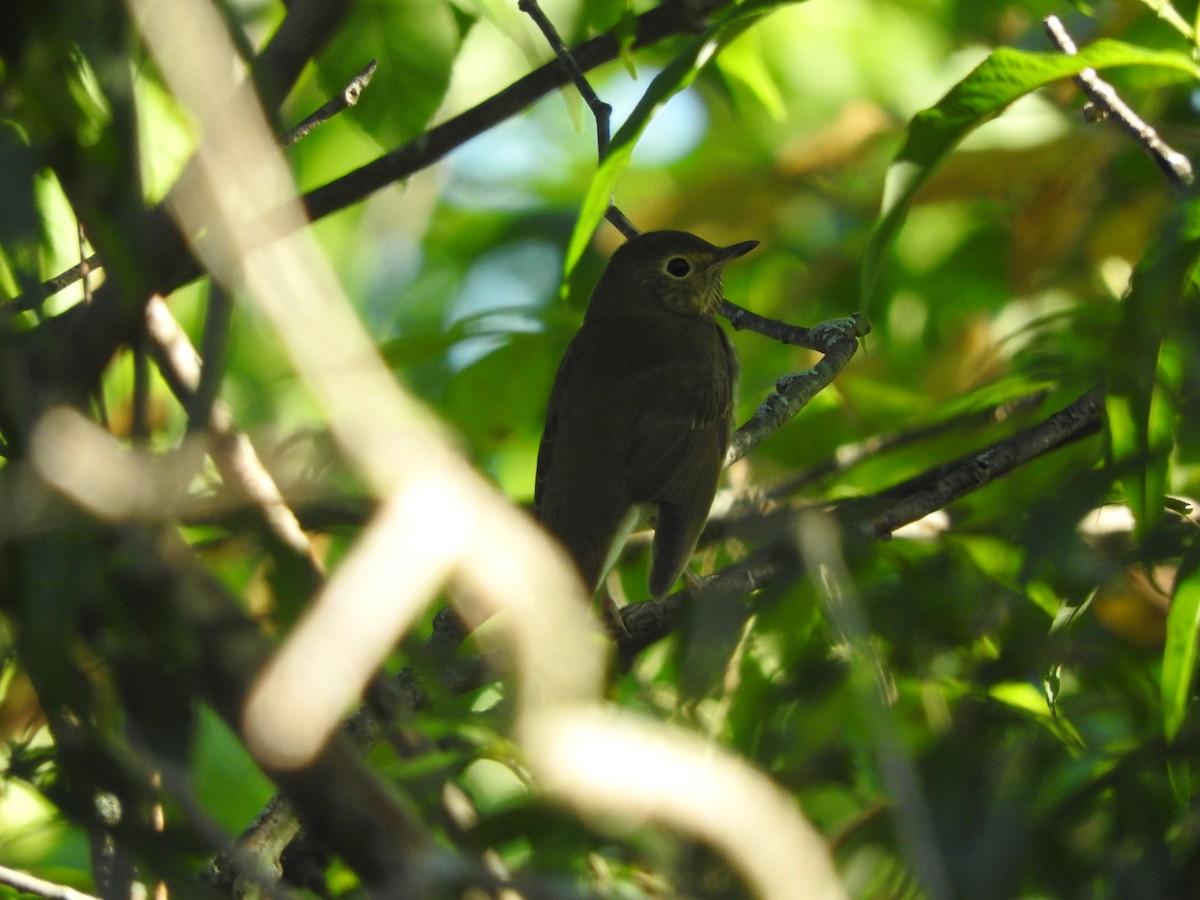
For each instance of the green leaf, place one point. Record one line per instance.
(1179, 657)
(22, 230)
(1000, 80)
(678, 74)
(1142, 391)
(415, 42)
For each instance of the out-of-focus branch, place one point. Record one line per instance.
(343, 100)
(234, 455)
(337, 795)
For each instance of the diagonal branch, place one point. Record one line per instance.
(233, 454)
(1173, 164)
(38, 887)
(304, 31)
(90, 334)
(837, 339)
(347, 97)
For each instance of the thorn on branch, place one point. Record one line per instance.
(1107, 104)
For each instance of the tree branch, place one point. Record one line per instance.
(337, 795)
(837, 339)
(601, 111)
(241, 470)
(342, 101)
(84, 338)
(850, 455)
(1173, 164)
(973, 471)
(304, 31)
(669, 18)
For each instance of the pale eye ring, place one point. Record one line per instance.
(678, 267)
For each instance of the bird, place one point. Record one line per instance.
(640, 415)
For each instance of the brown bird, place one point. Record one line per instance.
(641, 411)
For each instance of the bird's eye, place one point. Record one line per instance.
(678, 267)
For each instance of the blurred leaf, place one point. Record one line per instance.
(1004, 77)
(746, 63)
(1179, 657)
(21, 228)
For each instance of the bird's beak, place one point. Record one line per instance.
(733, 251)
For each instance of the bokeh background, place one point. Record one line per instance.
(1011, 664)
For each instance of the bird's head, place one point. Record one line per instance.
(673, 270)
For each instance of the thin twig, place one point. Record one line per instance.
(837, 339)
(348, 97)
(601, 111)
(305, 30)
(1173, 164)
(33, 299)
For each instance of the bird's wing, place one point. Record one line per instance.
(677, 450)
(679, 436)
(578, 493)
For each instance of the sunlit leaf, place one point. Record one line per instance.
(1179, 657)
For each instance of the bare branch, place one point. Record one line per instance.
(348, 97)
(1173, 164)
(99, 328)
(837, 339)
(971, 472)
(307, 27)
(669, 18)
(25, 302)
